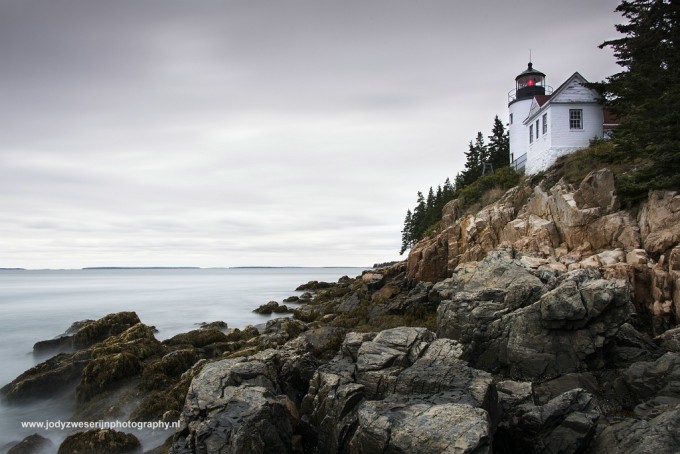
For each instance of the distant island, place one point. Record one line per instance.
(142, 268)
(285, 267)
(12, 269)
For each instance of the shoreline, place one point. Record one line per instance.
(334, 326)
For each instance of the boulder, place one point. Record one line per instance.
(325, 340)
(634, 436)
(598, 190)
(500, 270)
(47, 378)
(565, 331)
(234, 406)
(329, 408)
(630, 346)
(270, 307)
(198, 337)
(58, 344)
(405, 382)
(349, 304)
(670, 340)
(444, 290)
(415, 302)
(33, 444)
(105, 372)
(565, 424)
(421, 425)
(138, 340)
(314, 285)
(646, 379)
(219, 324)
(659, 220)
(107, 326)
(100, 367)
(100, 440)
(372, 281)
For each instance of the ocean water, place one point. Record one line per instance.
(38, 305)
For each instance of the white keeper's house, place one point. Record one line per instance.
(546, 124)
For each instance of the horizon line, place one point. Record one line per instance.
(94, 268)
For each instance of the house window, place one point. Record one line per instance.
(531, 134)
(575, 118)
(537, 129)
(545, 123)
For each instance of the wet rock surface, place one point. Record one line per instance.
(100, 440)
(33, 444)
(400, 390)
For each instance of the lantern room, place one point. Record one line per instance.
(529, 83)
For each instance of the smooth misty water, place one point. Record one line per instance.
(38, 305)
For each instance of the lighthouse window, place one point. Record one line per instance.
(510, 118)
(545, 123)
(575, 118)
(531, 134)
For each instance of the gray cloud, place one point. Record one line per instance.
(205, 133)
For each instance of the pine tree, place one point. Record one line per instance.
(459, 181)
(439, 200)
(449, 189)
(475, 155)
(418, 219)
(499, 145)
(430, 211)
(406, 240)
(646, 95)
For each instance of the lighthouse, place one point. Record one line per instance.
(528, 84)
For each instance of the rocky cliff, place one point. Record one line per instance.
(565, 227)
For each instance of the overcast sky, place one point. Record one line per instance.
(230, 133)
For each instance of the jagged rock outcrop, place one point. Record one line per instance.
(566, 424)
(102, 364)
(510, 321)
(248, 404)
(566, 227)
(635, 436)
(401, 390)
(235, 406)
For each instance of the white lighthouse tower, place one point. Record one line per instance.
(528, 84)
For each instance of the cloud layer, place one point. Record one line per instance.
(206, 133)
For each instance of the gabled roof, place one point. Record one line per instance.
(544, 101)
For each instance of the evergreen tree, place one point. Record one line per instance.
(460, 181)
(483, 151)
(406, 240)
(418, 218)
(646, 95)
(430, 211)
(475, 156)
(448, 190)
(439, 200)
(499, 145)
